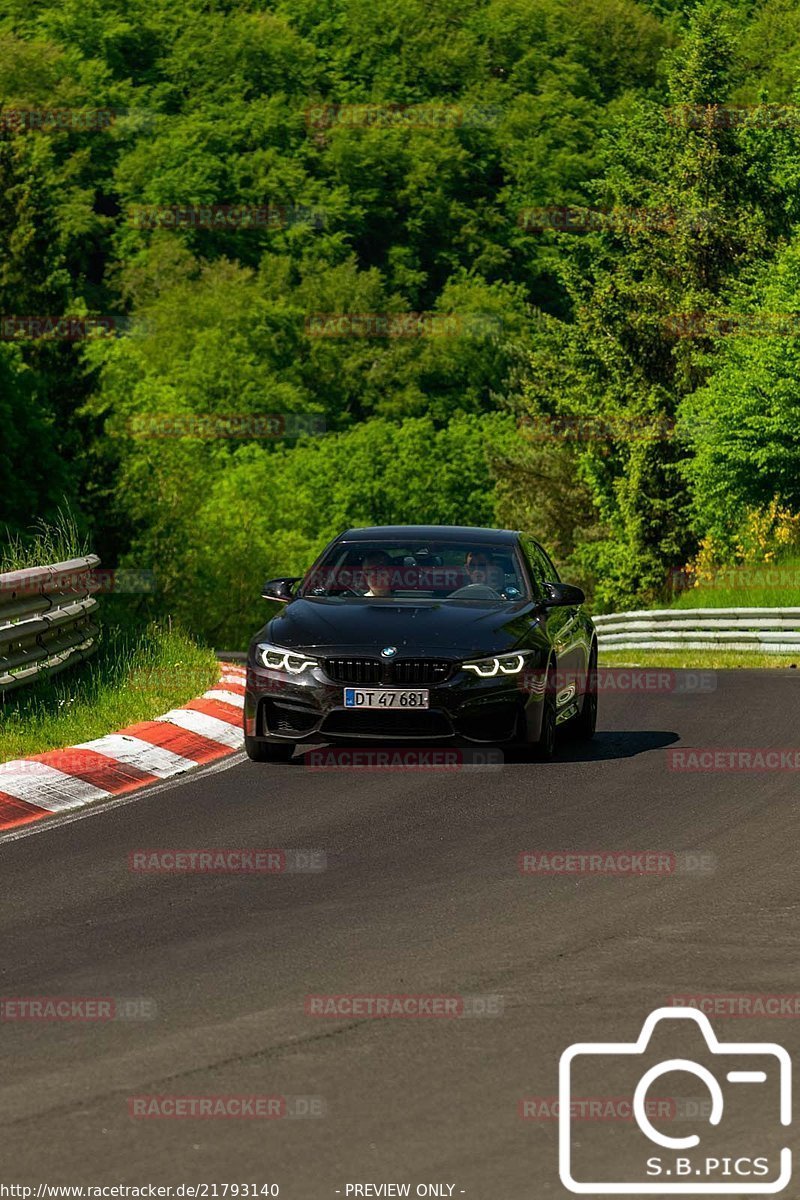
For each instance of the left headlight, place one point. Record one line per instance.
(503, 664)
(278, 658)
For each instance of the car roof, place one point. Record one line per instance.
(463, 533)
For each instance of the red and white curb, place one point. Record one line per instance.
(203, 730)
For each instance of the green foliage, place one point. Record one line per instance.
(270, 512)
(711, 209)
(548, 102)
(33, 476)
(744, 425)
(44, 544)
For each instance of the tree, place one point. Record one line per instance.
(692, 205)
(744, 425)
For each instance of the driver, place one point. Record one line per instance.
(481, 568)
(377, 570)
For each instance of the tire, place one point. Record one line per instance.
(260, 751)
(585, 723)
(545, 747)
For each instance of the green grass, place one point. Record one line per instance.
(698, 660)
(49, 542)
(762, 586)
(137, 674)
(141, 668)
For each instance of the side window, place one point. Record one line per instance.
(552, 574)
(535, 564)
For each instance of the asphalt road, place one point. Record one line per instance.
(422, 895)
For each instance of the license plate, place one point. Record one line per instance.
(385, 698)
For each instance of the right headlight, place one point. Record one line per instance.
(501, 664)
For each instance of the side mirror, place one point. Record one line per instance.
(279, 589)
(563, 595)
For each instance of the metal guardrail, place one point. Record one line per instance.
(46, 620)
(766, 630)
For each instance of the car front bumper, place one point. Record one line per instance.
(310, 707)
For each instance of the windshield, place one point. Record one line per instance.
(435, 570)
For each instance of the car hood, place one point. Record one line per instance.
(450, 628)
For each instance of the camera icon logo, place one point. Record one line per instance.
(761, 1073)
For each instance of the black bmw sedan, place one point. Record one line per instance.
(423, 632)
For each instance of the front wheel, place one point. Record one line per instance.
(260, 751)
(546, 746)
(586, 720)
